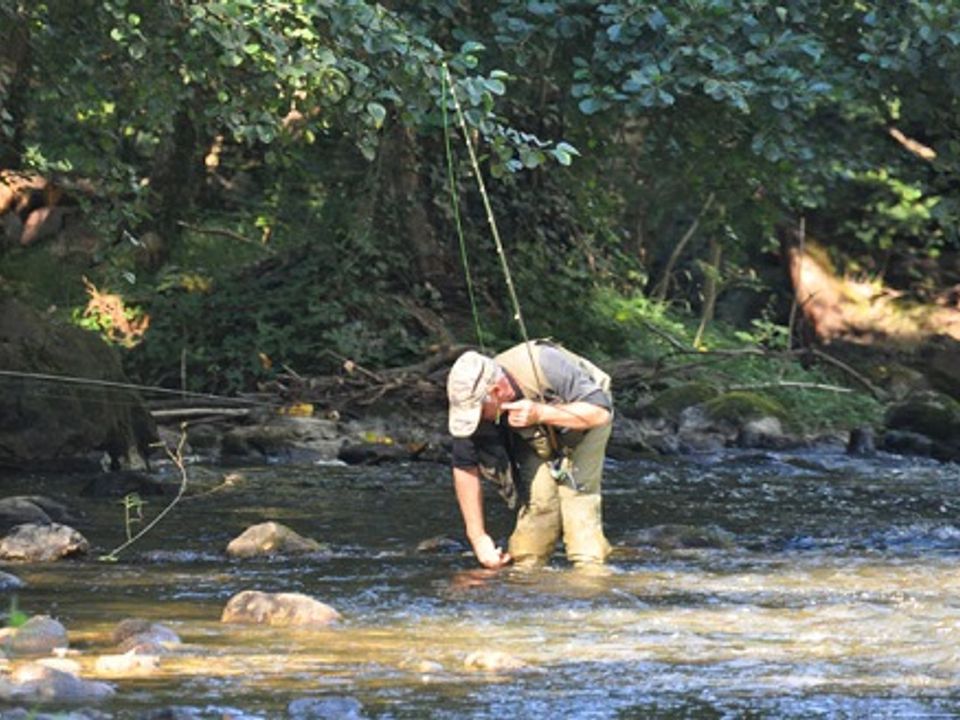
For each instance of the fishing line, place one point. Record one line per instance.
(92, 382)
(491, 221)
(455, 204)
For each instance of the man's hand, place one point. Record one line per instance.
(523, 413)
(579, 415)
(489, 555)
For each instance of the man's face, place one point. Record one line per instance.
(498, 393)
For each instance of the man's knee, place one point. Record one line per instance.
(583, 528)
(536, 534)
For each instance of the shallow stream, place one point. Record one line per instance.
(836, 593)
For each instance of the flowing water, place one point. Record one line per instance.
(828, 587)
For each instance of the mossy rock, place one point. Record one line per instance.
(674, 400)
(740, 406)
(897, 379)
(929, 413)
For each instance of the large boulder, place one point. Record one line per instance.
(924, 423)
(42, 543)
(43, 421)
(940, 358)
(252, 607)
(23, 509)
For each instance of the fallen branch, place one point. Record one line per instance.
(223, 232)
(195, 411)
(792, 384)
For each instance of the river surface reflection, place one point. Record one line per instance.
(823, 587)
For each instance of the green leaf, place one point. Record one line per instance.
(495, 86)
(378, 112)
(591, 105)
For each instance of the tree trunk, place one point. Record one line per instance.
(176, 181)
(14, 66)
(404, 209)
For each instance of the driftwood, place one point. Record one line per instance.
(353, 388)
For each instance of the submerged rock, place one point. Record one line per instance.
(126, 665)
(277, 609)
(271, 538)
(328, 708)
(680, 537)
(493, 661)
(24, 714)
(442, 545)
(42, 543)
(34, 682)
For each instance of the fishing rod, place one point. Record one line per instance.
(491, 221)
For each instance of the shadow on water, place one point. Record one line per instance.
(776, 585)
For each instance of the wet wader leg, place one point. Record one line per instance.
(538, 522)
(581, 511)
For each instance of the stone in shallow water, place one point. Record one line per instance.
(40, 635)
(36, 683)
(132, 633)
(270, 538)
(10, 582)
(493, 661)
(329, 708)
(277, 609)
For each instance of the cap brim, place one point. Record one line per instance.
(464, 419)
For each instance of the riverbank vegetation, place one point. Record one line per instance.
(232, 190)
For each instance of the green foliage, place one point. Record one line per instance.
(15, 617)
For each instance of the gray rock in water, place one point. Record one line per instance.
(142, 637)
(329, 708)
(862, 442)
(10, 582)
(24, 714)
(270, 538)
(40, 635)
(493, 661)
(42, 543)
(37, 683)
(277, 609)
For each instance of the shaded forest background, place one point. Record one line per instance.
(268, 187)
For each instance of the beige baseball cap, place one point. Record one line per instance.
(470, 378)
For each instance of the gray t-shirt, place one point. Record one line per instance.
(569, 383)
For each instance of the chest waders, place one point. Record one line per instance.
(556, 506)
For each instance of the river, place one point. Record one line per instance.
(832, 591)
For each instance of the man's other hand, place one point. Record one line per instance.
(489, 555)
